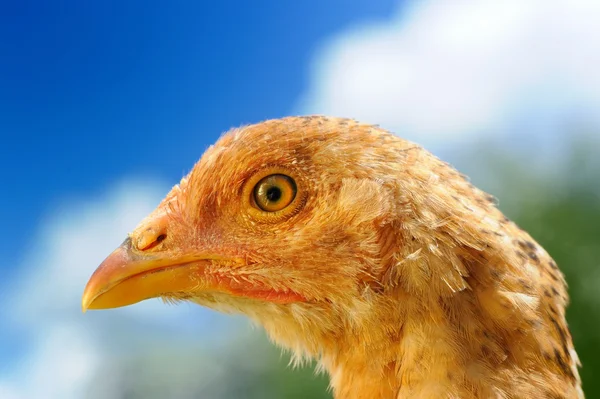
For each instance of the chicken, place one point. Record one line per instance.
(362, 250)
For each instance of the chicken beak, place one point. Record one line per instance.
(128, 276)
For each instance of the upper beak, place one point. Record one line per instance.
(128, 276)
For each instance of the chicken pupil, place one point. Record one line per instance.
(273, 194)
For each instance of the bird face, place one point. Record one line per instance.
(354, 246)
(278, 213)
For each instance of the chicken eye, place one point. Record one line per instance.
(274, 192)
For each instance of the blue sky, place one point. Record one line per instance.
(98, 94)
(90, 91)
(105, 105)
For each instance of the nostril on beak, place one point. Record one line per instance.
(150, 239)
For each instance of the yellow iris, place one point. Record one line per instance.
(273, 193)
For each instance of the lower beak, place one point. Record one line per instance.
(127, 277)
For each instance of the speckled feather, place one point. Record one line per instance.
(415, 285)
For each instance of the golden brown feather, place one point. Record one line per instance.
(388, 266)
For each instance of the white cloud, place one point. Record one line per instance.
(65, 348)
(449, 72)
(62, 362)
(7, 393)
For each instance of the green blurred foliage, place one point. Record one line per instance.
(564, 217)
(569, 228)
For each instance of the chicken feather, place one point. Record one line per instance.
(389, 267)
